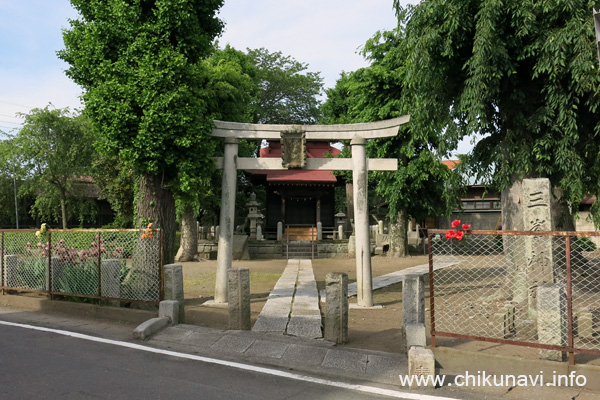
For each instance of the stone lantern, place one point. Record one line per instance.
(340, 219)
(340, 222)
(253, 215)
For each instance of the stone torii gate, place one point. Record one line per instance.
(293, 139)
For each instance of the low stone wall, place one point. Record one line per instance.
(333, 249)
(207, 250)
(265, 250)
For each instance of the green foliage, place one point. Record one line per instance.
(583, 243)
(375, 93)
(53, 153)
(142, 67)
(116, 182)
(287, 94)
(523, 73)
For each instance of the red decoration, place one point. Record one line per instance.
(466, 227)
(459, 235)
(455, 223)
(450, 234)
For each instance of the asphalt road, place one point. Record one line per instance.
(45, 365)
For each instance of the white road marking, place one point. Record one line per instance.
(360, 388)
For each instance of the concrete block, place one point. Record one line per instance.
(319, 230)
(415, 335)
(150, 327)
(173, 276)
(421, 363)
(238, 298)
(552, 319)
(336, 307)
(169, 309)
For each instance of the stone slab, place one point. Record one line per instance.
(341, 359)
(263, 348)
(397, 276)
(173, 335)
(299, 354)
(386, 365)
(232, 344)
(202, 339)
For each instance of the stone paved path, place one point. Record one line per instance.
(292, 308)
(395, 277)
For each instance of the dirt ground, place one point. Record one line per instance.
(375, 329)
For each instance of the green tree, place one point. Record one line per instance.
(142, 66)
(287, 94)
(53, 149)
(418, 187)
(523, 73)
(228, 93)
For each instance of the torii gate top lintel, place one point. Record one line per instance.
(365, 130)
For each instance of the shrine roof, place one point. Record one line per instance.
(313, 150)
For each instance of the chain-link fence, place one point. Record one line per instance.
(537, 289)
(104, 264)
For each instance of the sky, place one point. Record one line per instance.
(325, 34)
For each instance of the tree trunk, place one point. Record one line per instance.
(399, 235)
(63, 211)
(156, 204)
(349, 207)
(188, 249)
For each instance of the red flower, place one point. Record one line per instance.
(459, 235)
(450, 234)
(466, 227)
(455, 223)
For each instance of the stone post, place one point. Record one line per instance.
(552, 319)
(533, 258)
(11, 264)
(259, 235)
(413, 299)
(413, 303)
(319, 230)
(279, 231)
(238, 280)
(341, 232)
(110, 280)
(226, 224)
(380, 227)
(169, 309)
(173, 276)
(336, 307)
(364, 282)
(421, 363)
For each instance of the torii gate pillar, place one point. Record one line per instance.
(364, 283)
(228, 192)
